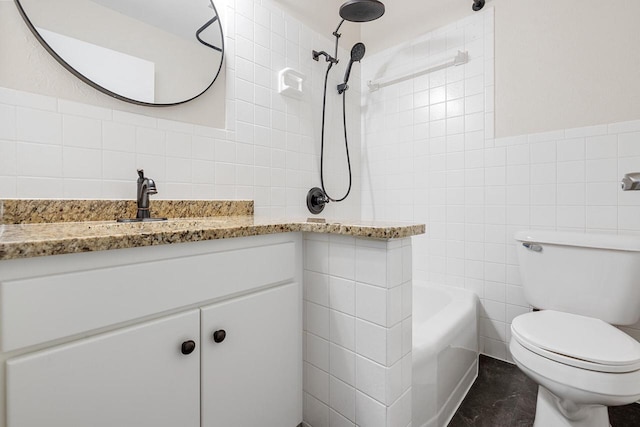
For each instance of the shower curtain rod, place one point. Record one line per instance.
(460, 59)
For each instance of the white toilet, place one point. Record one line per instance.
(583, 284)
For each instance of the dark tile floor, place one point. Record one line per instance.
(502, 396)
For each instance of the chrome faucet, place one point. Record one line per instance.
(146, 187)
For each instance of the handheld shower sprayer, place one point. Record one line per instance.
(357, 53)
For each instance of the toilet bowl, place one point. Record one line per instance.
(582, 363)
(602, 367)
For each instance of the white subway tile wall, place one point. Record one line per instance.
(357, 359)
(269, 151)
(429, 155)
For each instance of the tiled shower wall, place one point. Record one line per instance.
(424, 141)
(269, 151)
(429, 155)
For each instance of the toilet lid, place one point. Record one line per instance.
(578, 341)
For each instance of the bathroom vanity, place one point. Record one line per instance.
(158, 313)
(106, 324)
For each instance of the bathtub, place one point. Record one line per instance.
(445, 352)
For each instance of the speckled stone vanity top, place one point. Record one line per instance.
(32, 228)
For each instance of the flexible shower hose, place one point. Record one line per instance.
(346, 141)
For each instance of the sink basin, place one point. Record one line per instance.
(141, 219)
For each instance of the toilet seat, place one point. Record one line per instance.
(582, 386)
(577, 341)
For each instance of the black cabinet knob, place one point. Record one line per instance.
(188, 347)
(219, 336)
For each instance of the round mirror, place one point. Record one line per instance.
(148, 52)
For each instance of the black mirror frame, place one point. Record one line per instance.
(105, 90)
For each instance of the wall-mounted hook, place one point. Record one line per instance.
(477, 5)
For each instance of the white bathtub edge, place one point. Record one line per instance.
(460, 392)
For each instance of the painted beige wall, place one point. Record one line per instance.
(407, 19)
(559, 64)
(565, 64)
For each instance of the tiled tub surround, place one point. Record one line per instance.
(441, 165)
(423, 155)
(357, 305)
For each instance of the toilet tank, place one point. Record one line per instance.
(595, 275)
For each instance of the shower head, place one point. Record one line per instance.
(357, 53)
(361, 10)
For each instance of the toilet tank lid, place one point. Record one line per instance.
(588, 240)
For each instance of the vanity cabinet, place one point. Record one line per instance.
(118, 350)
(137, 376)
(247, 377)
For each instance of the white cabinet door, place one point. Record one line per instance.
(137, 377)
(254, 376)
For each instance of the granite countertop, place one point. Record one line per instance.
(25, 233)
